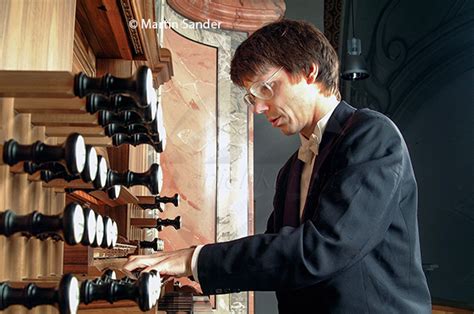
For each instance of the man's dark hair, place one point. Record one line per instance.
(294, 45)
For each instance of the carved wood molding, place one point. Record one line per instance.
(158, 58)
(234, 15)
(105, 26)
(126, 7)
(83, 56)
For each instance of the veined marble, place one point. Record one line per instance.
(207, 158)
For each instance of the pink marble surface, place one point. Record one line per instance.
(236, 15)
(189, 161)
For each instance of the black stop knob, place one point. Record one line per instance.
(139, 86)
(72, 153)
(120, 103)
(156, 244)
(70, 223)
(161, 200)
(144, 291)
(175, 223)
(152, 178)
(138, 139)
(65, 297)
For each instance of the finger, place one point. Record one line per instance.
(166, 268)
(150, 268)
(137, 262)
(127, 273)
(134, 257)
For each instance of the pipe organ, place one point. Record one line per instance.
(78, 127)
(80, 171)
(88, 174)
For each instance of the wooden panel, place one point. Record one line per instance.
(118, 157)
(62, 131)
(93, 140)
(124, 307)
(119, 30)
(6, 119)
(60, 118)
(77, 259)
(441, 309)
(92, 16)
(27, 196)
(120, 214)
(143, 222)
(16, 245)
(44, 84)
(74, 184)
(125, 197)
(83, 55)
(46, 105)
(47, 29)
(138, 162)
(116, 67)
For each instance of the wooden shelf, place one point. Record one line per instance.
(125, 198)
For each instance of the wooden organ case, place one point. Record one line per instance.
(44, 45)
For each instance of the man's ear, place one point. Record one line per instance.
(312, 74)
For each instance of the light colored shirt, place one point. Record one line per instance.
(307, 152)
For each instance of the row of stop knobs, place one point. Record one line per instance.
(75, 225)
(74, 160)
(127, 107)
(67, 296)
(130, 113)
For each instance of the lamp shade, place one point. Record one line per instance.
(354, 63)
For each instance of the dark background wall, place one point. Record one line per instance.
(421, 58)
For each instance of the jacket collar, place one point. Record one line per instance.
(336, 123)
(335, 127)
(333, 130)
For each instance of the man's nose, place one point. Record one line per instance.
(260, 106)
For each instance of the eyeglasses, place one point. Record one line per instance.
(262, 90)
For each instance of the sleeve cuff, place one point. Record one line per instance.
(194, 262)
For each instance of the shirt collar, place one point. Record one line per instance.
(312, 144)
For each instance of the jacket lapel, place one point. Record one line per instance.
(291, 212)
(334, 129)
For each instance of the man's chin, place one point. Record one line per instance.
(286, 131)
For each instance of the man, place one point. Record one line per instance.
(343, 236)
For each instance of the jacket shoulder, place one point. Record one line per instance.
(371, 117)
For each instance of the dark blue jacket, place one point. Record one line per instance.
(357, 247)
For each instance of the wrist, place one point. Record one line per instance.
(189, 258)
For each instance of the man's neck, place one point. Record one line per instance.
(323, 106)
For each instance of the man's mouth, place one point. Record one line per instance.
(275, 121)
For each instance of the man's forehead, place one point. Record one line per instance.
(260, 76)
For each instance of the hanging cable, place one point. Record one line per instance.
(352, 11)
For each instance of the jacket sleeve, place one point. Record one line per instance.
(353, 213)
